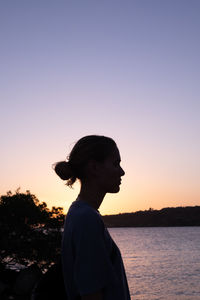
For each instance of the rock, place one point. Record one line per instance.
(3, 287)
(26, 280)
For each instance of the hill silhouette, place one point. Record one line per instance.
(170, 216)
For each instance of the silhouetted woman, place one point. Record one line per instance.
(92, 263)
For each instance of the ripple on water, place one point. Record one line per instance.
(161, 262)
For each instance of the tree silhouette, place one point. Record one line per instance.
(29, 231)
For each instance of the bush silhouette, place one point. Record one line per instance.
(29, 231)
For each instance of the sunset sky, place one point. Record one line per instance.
(126, 69)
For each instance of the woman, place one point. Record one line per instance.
(92, 263)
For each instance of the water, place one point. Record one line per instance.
(161, 263)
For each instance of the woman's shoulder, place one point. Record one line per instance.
(82, 214)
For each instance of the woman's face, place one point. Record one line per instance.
(110, 173)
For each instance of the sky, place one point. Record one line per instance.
(126, 69)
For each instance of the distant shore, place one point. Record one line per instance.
(170, 216)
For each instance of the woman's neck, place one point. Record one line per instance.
(91, 195)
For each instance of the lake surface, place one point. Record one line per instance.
(162, 263)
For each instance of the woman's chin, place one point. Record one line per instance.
(114, 190)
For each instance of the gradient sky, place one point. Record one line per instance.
(127, 69)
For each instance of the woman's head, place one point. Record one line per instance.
(89, 148)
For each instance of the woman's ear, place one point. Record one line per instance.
(93, 168)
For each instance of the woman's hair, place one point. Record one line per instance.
(91, 147)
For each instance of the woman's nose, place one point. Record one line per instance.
(122, 172)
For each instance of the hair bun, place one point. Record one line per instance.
(63, 170)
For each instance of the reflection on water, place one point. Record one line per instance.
(161, 263)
